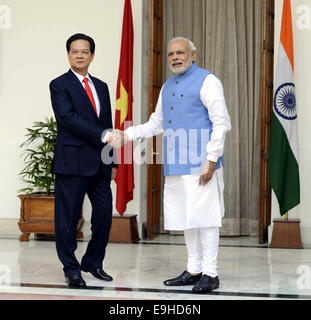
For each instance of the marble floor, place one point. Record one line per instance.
(247, 270)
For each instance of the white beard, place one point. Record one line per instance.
(182, 69)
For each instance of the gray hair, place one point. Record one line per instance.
(192, 47)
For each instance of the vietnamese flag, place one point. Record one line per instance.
(123, 116)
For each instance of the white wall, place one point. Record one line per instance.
(33, 52)
(302, 51)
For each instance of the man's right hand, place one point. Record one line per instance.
(117, 138)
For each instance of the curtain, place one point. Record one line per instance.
(227, 34)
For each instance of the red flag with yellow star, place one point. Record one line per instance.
(123, 116)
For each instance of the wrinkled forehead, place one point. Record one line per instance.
(178, 45)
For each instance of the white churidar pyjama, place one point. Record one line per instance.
(202, 248)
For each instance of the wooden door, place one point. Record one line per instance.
(267, 70)
(154, 169)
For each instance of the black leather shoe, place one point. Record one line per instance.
(75, 281)
(98, 273)
(206, 284)
(185, 279)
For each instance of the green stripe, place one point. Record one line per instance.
(283, 169)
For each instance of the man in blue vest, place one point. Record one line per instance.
(192, 108)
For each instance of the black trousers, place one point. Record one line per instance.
(69, 196)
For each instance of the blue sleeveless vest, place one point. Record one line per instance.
(186, 123)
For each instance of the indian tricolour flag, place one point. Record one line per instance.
(283, 160)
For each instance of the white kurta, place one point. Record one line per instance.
(186, 204)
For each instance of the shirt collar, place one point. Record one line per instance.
(80, 77)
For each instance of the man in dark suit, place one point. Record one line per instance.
(81, 105)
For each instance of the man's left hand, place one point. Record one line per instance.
(207, 172)
(113, 173)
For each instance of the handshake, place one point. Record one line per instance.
(116, 138)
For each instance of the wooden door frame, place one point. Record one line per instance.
(266, 106)
(154, 170)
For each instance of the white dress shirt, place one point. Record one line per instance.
(91, 84)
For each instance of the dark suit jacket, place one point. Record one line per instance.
(79, 131)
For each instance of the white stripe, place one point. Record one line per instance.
(284, 74)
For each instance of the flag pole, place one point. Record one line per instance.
(286, 217)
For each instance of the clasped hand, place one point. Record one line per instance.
(117, 138)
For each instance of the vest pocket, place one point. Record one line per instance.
(72, 142)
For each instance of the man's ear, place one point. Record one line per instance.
(193, 55)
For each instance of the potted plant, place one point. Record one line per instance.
(37, 196)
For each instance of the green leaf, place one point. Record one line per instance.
(39, 144)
